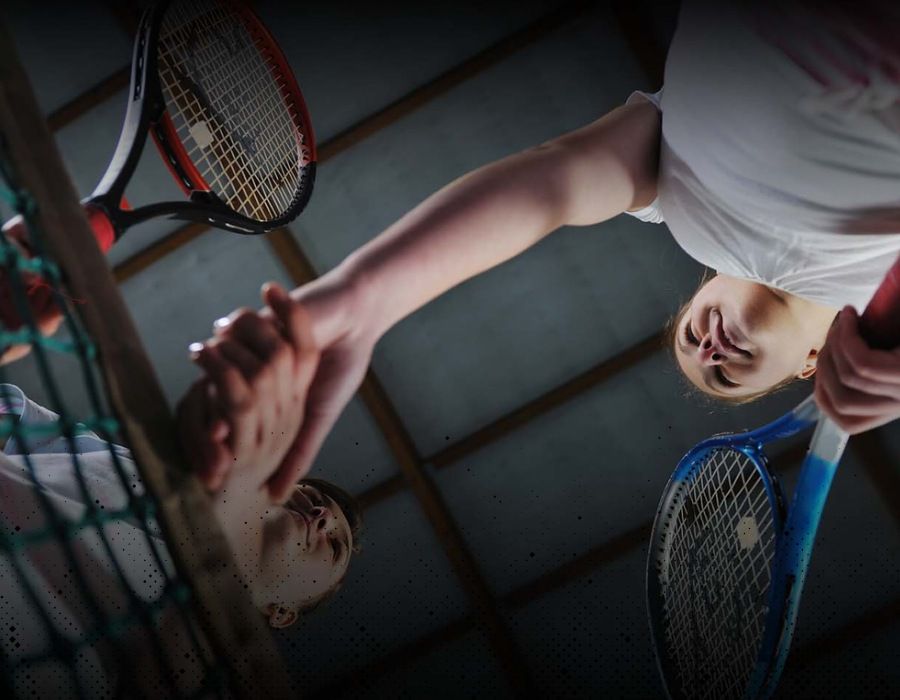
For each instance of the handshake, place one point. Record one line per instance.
(268, 399)
(269, 396)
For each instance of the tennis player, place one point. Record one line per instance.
(256, 415)
(773, 154)
(292, 556)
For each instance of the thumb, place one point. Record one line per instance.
(300, 456)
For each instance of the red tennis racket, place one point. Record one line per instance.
(214, 90)
(211, 86)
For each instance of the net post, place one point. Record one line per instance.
(234, 629)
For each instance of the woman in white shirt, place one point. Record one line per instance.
(773, 155)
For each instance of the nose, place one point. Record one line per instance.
(319, 516)
(709, 354)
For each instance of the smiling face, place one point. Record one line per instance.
(306, 548)
(738, 338)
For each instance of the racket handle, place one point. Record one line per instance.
(103, 229)
(880, 322)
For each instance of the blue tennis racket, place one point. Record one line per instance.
(726, 565)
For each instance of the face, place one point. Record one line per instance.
(738, 338)
(306, 547)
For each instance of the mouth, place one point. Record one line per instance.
(722, 336)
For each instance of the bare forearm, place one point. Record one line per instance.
(484, 219)
(468, 227)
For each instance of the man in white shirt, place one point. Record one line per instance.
(292, 556)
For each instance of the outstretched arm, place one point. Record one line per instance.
(471, 225)
(494, 213)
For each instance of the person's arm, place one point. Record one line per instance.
(479, 221)
(500, 210)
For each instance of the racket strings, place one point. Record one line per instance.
(233, 154)
(234, 149)
(720, 546)
(227, 102)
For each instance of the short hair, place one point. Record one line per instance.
(352, 510)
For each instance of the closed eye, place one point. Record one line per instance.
(689, 335)
(723, 380)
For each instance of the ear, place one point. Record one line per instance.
(809, 366)
(281, 617)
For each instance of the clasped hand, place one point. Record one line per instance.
(239, 422)
(856, 386)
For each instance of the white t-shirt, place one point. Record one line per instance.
(764, 175)
(48, 570)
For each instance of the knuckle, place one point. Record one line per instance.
(279, 352)
(231, 377)
(841, 396)
(867, 372)
(264, 377)
(242, 318)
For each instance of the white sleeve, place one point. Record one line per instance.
(651, 212)
(654, 98)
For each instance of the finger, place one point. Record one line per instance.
(217, 426)
(298, 329)
(294, 319)
(230, 382)
(234, 352)
(234, 396)
(265, 337)
(857, 359)
(824, 402)
(264, 400)
(849, 424)
(846, 373)
(849, 402)
(854, 425)
(221, 325)
(191, 423)
(258, 335)
(221, 458)
(297, 326)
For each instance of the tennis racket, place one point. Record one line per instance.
(726, 565)
(213, 89)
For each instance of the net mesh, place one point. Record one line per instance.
(226, 98)
(715, 570)
(91, 603)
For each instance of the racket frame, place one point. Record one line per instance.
(146, 113)
(794, 552)
(750, 443)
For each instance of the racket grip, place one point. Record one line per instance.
(880, 322)
(103, 229)
(104, 232)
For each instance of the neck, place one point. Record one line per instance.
(815, 318)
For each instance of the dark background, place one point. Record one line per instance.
(514, 436)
